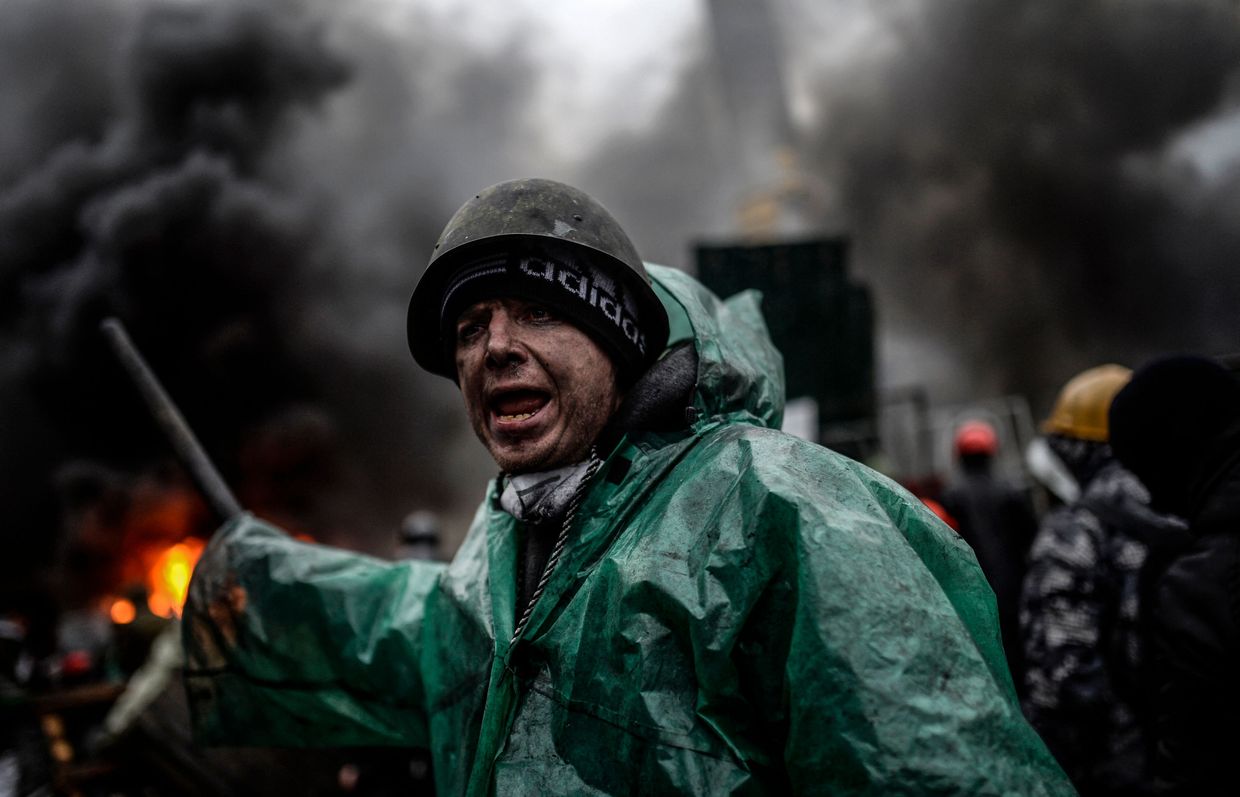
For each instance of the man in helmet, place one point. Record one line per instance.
(1177, 426)
(997, 520)
(1080, 608)
(660, 593)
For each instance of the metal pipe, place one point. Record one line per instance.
(169, 419)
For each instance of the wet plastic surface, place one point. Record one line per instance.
(737, 611)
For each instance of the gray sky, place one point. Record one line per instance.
(603, 66)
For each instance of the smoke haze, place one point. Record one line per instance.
(1015, 180)
(255, 205)
(1030, 188)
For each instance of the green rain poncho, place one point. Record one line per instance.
(736, 610)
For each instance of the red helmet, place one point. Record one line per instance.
(976, 437)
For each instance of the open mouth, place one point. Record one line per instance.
(518, 405)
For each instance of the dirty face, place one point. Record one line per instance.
(537, 389)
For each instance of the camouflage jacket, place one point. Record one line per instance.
(1087, 691)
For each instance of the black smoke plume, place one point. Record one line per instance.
(1016, 181)
(252, 188)
(1024, 183)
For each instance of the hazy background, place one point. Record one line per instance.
(1030, 187)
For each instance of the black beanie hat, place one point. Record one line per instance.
(581, 291)
(1171, 426)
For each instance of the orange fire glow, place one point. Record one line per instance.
(122, 611)
(168, 578)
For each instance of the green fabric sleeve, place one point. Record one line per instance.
(297, 644)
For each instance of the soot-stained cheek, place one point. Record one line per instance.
(464, 366)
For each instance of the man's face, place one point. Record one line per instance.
(538, 390)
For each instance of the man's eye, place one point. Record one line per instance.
(539, 314)
(467, 332)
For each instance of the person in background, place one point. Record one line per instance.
(419, 536)
(1177, 426)
(1087, 691)
(996, 519)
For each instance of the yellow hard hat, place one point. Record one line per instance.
(1081, 408)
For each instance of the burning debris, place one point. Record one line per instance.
(155, 176)
(119, 530)
(158, 211)
(167, 171)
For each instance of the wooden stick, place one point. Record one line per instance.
(169, 419)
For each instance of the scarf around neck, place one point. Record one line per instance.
(542, 497)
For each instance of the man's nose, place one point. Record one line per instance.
(503, 346)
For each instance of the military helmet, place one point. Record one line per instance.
(1081, 409)
(533, 215)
